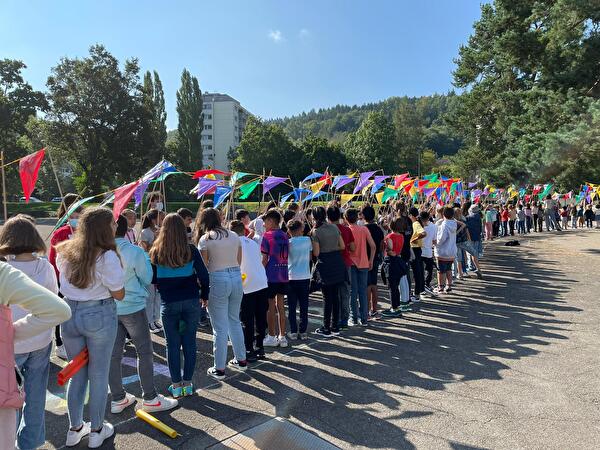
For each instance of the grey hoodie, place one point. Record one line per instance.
(446, 239)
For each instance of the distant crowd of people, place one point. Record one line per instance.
(107, 283)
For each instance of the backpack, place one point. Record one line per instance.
(12, 393)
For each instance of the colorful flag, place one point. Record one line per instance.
(205, 186)
(248, 188)
(314, 195)
(547, 189)
(29, 167)
(387, 194)
(71, 210)
(122, 196)
(312, 176)
(316, 187)
(139, 192)
(363, 181)
(345, 198)
(472, 185)
(270, 182)
(237, 176)
(378, 182)
(398, 179)
(298, 192)
(285, 198)
(221, 193)
(204, 172)
(342, 180)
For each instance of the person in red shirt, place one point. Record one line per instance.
(62, 234)
(334, 216)
(504, 221)
(396, 267)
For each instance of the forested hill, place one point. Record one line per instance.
(336, 122)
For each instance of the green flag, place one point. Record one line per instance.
(236, 176)
(388, 193)
(247, 188)
(70, 211)
(432, 177)
(547, 190)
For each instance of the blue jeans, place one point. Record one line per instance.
(224, 301)
(298, 296)
(30, 420)
(93, 324)
(180, 322)
(358, 290)
(344, 292)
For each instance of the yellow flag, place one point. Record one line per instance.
(379, 196)
(345, 198)
(316, 187)
(405, 182)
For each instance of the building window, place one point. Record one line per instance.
(207, 106)
(209, 116)
(207, 137)
(208, 127)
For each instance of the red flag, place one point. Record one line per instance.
(204, 172)
(421, 184)
(122, 196)
(327, 179)
(398, 179)
(29, 167)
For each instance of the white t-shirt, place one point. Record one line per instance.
(258, 225)
(427, 249)
(109, 276)
(42, 272)
(256, 277)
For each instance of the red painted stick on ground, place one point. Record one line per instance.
(73, 367)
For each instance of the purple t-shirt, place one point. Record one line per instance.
(275, 244)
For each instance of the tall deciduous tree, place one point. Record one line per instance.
(191, 123)
(409, 125)
(96, 118)
(373, 146)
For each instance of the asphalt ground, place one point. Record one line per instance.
(507, 362)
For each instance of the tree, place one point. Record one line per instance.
(18, 103)
(319, 154)
(97, 118)
(373, 145)
(154, 132)
(409, 125)
(191, 123)
(266, 147)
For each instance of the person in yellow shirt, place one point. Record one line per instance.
(416, 245)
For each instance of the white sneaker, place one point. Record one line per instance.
(292, 336)
(270, 341)
(118, 407)
(282, 341)
(97, 438)
(159, 403)
(75, 437)
(60, 352)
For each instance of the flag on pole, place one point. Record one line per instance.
(122, 196)
(221, 193)
(204, 172)
(205, 186)
(342, 180)
(29, 167)
(70, 211)
(312, 176)
(398, 179)
(363, 181)
(246, 189)
(345, 198)
(270, 182)
(237, 176)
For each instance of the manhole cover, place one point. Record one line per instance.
(277, 434)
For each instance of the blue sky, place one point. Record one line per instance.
(277, 57)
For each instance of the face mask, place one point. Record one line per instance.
(159, 206)
(73, 222)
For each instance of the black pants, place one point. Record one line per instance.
(428, 262)
(396, 270)
(511, 227)
(417, 267)
(57, 337)
(331, 297)
(298, 296)
(254, 308)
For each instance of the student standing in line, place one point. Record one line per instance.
(21, 244)
(362, 261)
(255, 301)
(445, 250)
(222, 250)
(150, 230)
(275, 250)
(416, 244)
(427, 250)
(397, 269)
(377, 234)
(131, 217)
(188, 218)
(45, 311)
(132, 322)
(181, 278)
(91, 279)
(299, 256)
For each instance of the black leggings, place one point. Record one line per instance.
(331, 297)
(428, 270)
(254, 307)
(417, 267)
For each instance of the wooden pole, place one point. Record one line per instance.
(60, 191)
(3, 187)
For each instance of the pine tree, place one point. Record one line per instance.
(191, 123)
(160, 115)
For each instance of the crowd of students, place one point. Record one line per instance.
(119, 286)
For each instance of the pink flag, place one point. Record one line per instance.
(122, 196)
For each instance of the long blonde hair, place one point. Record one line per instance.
(171, 248)
(93, 237)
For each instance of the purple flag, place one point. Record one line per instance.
(363, 180)
(471, 185)
(428, 191)
(205, 185)
(270, 182)
(139, 192)
(342, 180)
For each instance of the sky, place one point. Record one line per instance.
(277, 57)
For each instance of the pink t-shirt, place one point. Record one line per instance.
(359, 256)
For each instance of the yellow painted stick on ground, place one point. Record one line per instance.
(156, 423)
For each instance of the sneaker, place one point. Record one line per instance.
(118, 407)
(391, 312)
(216, 373)
(270, 341)
(364, 323)
(352, 323)
(97, 438)
(188, 390)
(335, 331)
(260, 353)
(75, 437)
(478, 273)
(292, 336)
(238, 365)
(448, 289)
(159, 403)
(459, 277)
(60, 352)
(424, 296)
(176, 392)
(282, 341)
(375, 315)
(322, 332)
(153, 328)
(404, 307)
(438, 290)
(429, 290)
(303, 336)
(251, 357)
(415, 298)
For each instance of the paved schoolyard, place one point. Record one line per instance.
(510, 362)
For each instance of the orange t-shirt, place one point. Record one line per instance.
(359, 256)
